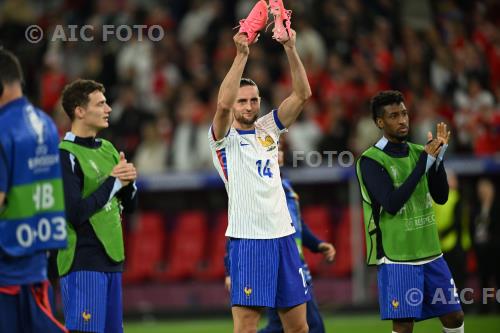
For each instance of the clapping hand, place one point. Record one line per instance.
(442, 134)
(125, 172)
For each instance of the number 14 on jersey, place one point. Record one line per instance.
(266, 170)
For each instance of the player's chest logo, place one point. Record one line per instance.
(267, 142)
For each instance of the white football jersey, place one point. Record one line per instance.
(247, 162)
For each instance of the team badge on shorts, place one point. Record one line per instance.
(86, 316)
(248, 291)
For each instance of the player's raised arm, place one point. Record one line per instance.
(291, 107)
(229, 88)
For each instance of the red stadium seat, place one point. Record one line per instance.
(187, 245)
(342, 242)
(144, 248)
(215, 250)
(318, 219)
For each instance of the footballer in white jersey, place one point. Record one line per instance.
(265, 263)
(247, 161)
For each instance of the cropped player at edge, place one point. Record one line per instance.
(399, 181)
(245, 153)
(32, 217)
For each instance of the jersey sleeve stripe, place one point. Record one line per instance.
(221, 155)
(277, 120)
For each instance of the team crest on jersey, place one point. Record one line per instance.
(248, 291)
(86, 316)
(266, 142)
(395, 304)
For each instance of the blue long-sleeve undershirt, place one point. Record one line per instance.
(382, 191)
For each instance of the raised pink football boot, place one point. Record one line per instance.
(281, 32)
(255, 21)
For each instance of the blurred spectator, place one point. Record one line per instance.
(441, 71)
(469, 105)
(53, 80)
(135, 64)
(186, 143)
(152, 152)
(425, 120)
(485, 231)
(445, 53)
(310, 45)
(305, 133)
(474, 98)
(126, 119)
(195, 24)
(365, 134)
(336, 129)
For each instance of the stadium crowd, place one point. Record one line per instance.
(443, 55)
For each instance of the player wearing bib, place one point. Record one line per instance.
(266, 267)
(32, 219)
(98, 181)
(399, 181)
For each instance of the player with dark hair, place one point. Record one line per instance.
(399, 181)
(98, 182)
(32, 220)
(245, 153)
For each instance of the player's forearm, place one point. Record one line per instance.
(79, 210)
(300, 84)
(309, 239)
(128, 198)
(438, 184)
(381, 187)
(227, 96)
(229, 87)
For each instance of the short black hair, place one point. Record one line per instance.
(247, 82)
(382, 99)
(77, 94)
(10, 68)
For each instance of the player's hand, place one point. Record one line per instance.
(442, 133)
(433, 147)
(125, 172)
(227, 283)
(290, 42)
(328, 251)
(241, 42)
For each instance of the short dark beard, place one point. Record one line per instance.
(243, 120)
(402, 138)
